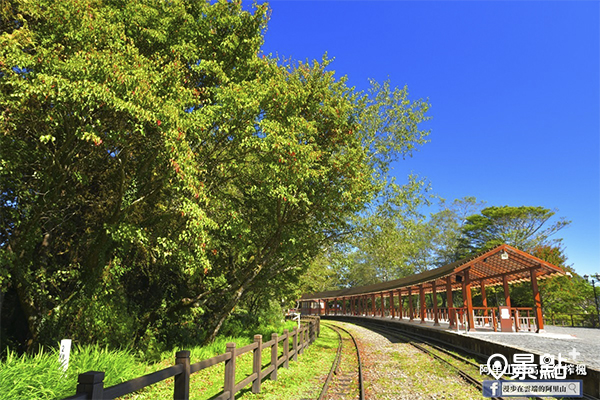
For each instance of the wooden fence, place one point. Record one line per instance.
(91, 386)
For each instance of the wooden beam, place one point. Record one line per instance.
(410, 305)
(435, 307)
(539, 318)
(506, 291)
(449, 301)
(470, 318)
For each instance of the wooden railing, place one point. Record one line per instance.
(91, 384)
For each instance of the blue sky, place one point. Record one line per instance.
(514, 90)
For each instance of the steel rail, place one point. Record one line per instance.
(337, 360)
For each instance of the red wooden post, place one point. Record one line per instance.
(410, 305)
(506, 290)
(467, 287)
(229, 385)
(182, 381)
(382, 305)
(422, 306)
(449, 301)
(373, 310)
(539, 318)
(435, 307)
(400, 305)
(257, 363)
(392, 312)
(484, 301)
(335, 306)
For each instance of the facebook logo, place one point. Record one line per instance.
(492, 389)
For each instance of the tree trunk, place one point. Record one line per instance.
(215, 323)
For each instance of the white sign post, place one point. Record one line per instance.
(63, 355)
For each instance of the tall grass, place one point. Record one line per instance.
(40, 376)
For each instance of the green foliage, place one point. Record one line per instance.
(40, 376)
(522, 227)
(157, 171)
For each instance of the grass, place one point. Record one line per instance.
(40, 377)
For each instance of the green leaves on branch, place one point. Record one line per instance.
(150, 154)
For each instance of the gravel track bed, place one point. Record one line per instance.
(396, 370)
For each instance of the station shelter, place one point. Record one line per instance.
(502, 265)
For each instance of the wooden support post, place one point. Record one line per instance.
(434, 300)
(484, 301)
(470, 319)
(410, 305)
(392, 311)
(257, 363)
(274, 354)
(373, 310)
(400, 305)
(382, 305)
(91, 384)
(335, 306)
(539, 318)
(422, 304)
(229, 385)
(449, 301)
(182, 381)
(295, 344)
(506, 291)
(286, 348)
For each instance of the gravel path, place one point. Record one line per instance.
(556, 340)
(396, 370)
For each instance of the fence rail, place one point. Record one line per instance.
(90, 384)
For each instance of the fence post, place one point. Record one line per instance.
(318, 326)
(301, 339)
(295, 344)
(274, 353)
(91, 384)
(182, 381)
(286, 348)
(229, 384)
(257, 364)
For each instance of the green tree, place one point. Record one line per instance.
(522, 227)
(156, 171)
(446, 226)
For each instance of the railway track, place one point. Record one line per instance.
(344, 380)
(455, 361)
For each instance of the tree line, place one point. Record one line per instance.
(158, 171)
(394, 242)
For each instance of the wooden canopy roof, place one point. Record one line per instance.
(489, 266)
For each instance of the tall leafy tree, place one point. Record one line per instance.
(156, 170)
(523, 227)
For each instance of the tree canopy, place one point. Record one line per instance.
(156, 169)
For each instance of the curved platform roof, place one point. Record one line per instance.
(489, 266)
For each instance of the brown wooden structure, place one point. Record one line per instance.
(91, 384)
(501, 265)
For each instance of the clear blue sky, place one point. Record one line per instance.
(514, 88)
